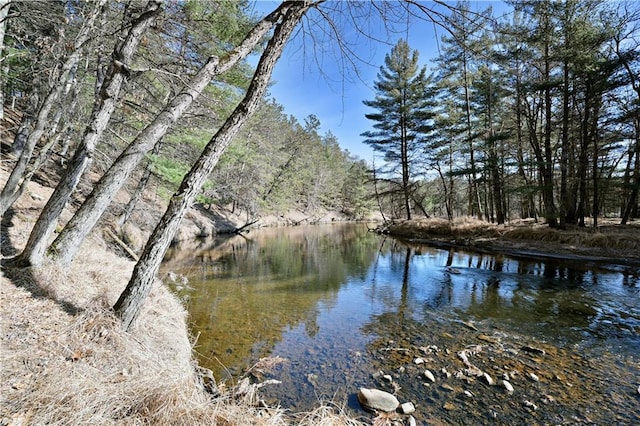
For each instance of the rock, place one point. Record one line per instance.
(429, 349)
(488, 379)
(474, 371)
(470, 325)
(487, 339)
(507, 386)
(547, 399)
(449, 406)
(312, 379)
(377, 400)
(407, 408)
(638, 389)
(387, 378)
(418, 361)
(447, 387)
(378, 375)
(463, 356)
(530, 405)
(532, 350)
(445, 372)
(534, 377)
(411, 421)
(468, 394)
(429, 375)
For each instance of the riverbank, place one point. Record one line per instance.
(609, 243)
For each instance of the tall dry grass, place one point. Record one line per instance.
(65, 360)
(614, 238)
(437, 227)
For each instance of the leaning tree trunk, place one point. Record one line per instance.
(33, 253)
(4, 12)
(132, 298)
(66, 245)
(12, 188)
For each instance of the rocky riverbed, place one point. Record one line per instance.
(457, 372)
(475, 375)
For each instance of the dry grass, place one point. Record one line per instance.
(463, 227)
(612, 238)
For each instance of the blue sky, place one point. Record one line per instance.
(312, 78)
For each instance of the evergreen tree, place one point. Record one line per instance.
(403, 119)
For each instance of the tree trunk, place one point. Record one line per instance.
(404, 154)
(116, 76)
(583, 162)
(66, 245)
(4, 12)
(547, 177)
(131, 300)
(474, 196)
(564, 157)
(635, 182)
(11, 190)
(594, 138)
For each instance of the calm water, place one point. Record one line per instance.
(338, 303)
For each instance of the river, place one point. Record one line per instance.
(332, 308)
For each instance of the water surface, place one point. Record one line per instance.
(338, 304)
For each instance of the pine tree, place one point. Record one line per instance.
(403, 119)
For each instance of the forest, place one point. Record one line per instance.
(533, 114)
(530, 114)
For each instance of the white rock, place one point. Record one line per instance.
(463, 356)
(429, 375)
(507, 386)
(488, 379)
(407, 408)
(374, 399)
(418, 361)
(411, 421)
(534, 377)
(387, 378)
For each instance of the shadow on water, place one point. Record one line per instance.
(339, 304)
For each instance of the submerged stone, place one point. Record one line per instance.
(507, 386)
(429, 375)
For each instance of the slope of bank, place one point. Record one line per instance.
(64, 359)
